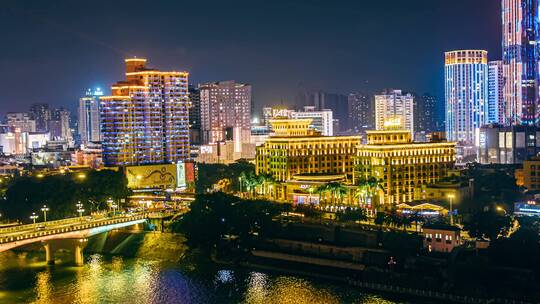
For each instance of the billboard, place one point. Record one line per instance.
(180, 174)
(152, 176)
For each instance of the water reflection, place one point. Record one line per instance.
(118, 280)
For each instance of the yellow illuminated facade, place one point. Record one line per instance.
(400, 164)
(294, 149)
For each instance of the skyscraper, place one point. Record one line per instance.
(321, 120)
(89, 116)
(361, 112)
(60, 125)
(393, 107)
(496, 106)
(146, 119)
(225, 108)
(41, 114)
(425, 113)
(466, 92)
(520, 26)
(194, 116)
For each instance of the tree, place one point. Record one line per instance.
(337, 191)
(488, 225)
(352, 215)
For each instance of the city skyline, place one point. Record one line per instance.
(279, 61)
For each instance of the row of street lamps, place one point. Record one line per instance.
(80, 210)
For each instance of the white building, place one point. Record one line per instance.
(89, 116)
(322, 120)
(392, 107)
(22, 121)
(496, 105)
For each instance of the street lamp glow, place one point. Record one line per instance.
(81, 176)
(451, 197)
(45, 209)
(34, 217)
(80, 208)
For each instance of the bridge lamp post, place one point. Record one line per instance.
(45, 209)
(34, 217)
(80, 209)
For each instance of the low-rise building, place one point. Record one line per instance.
(531, 174)
(441, 238)
(400, 164)
(296, 149)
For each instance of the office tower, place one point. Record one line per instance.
(520, 28)
(395, 109)
(496, 105)
(466, 92)
(361, 112)
(194, 116)
(60, 125)
(41, 114)
(321, 120)
(21, 121)
(89, 116)
(225, 106)
(146, 118)
(425, 113)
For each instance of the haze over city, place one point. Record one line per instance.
(280, 47)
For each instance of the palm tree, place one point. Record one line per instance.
(266, 180)
(322, 190)
(337, 190)
(374, 185)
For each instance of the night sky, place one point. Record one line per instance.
(52, 50)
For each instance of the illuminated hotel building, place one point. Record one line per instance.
(89, 116)
(145, 120)
(295, 151)
(520, 60)
(392, 106)
(466, 91)
(401, 164)
(225, 106)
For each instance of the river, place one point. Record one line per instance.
(25, 278)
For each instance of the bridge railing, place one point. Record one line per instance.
(49, 223)
(76, 227)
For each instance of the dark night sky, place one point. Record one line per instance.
(52, 50)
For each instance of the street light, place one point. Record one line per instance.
(451, 197)
(499, 208)
(110, 203)
(34, 217)
(80, 209)
(45, 209)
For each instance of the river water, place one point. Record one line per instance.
(25, 278)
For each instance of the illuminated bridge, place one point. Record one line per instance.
(70, 234)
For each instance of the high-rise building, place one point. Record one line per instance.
(225, 106)
(361, 112)
(466, 92)
(146, 118)
(496, 106)
(393, 107)
(89, 116)
(41, 114)
(337, 103)
(194, 116)
(425, 113)
(520, 29)
(21, 121)
(321, 120)
(60, 125)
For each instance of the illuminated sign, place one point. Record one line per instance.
(180, 174)
(152, 176)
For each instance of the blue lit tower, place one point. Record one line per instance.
(520, 62)
(466, 94)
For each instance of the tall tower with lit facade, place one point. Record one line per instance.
(145, 120)
(225, 109)
(89, 116)
(466, 94)
(496, 105)
(520, 26)
(393, 107)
